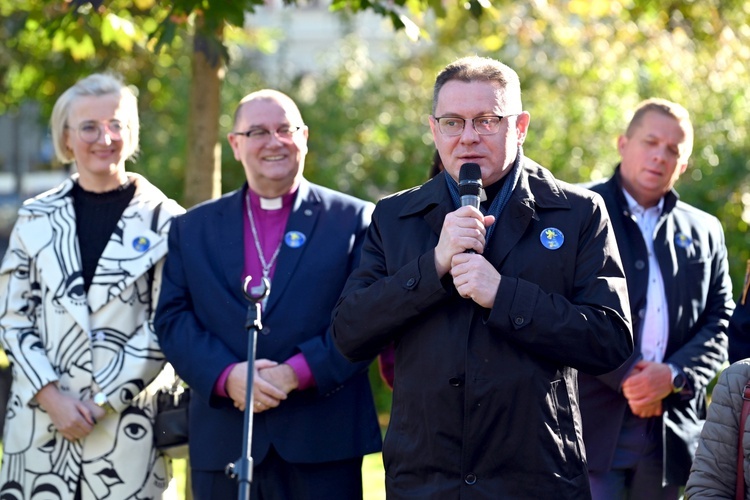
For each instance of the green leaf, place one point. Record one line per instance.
(120, 30)
(164, 34)
(81, 49)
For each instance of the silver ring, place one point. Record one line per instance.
(258, 403)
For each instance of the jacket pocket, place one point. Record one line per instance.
(564, 446)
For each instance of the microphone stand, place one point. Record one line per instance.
(242, 469)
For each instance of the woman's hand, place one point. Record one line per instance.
(71, 417)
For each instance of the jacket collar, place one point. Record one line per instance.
(303, 218)
(305, 214)
(615, 185)
(431, 200)
(536, 189)
(50, 238)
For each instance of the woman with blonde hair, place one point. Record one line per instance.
(78, 285)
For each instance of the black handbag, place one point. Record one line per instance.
(171, 424)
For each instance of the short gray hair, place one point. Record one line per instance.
(97, 84)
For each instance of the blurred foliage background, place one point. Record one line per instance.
(584, 65)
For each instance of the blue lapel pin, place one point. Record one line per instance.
(552, 238)
(141, 244)
(294, 239)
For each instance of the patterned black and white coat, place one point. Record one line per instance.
(53, 332)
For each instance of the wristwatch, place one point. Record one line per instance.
(678, 378)
(100, 400)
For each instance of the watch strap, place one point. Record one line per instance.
(100, 400)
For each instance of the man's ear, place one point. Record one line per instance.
(232, 139)
(622, 141)
(522, 126)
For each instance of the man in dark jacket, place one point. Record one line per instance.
(641, 423)
(487, 342)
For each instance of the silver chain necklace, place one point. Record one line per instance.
(265, 265)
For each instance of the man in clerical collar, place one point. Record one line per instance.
(314, 417)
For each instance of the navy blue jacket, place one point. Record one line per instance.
(689, 245)
(201, 324)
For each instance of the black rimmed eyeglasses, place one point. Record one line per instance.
(285, 132)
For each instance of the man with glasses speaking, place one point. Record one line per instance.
(314, 417)
(491, 306)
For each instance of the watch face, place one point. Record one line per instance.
(678, 378)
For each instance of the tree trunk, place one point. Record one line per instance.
(203, 166)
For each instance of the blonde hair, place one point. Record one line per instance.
(98, 84)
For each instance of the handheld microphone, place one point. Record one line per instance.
(470, 187)
(470, 184)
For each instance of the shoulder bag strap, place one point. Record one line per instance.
(151, 270)
(740, 487)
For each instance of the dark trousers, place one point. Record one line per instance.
(276, 479)
(637, 467)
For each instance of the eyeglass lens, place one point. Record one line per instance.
(261, 133)
(484, 125)
(91, 131)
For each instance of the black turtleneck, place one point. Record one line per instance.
(96, 219)
(491, 192)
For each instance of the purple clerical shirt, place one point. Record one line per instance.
(270, 216)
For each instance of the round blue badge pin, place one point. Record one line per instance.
(552, 238)
(141, 244)
(682, 240)
(294, 239)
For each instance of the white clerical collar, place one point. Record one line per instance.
(271, 203)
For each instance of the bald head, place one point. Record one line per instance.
(270, 95)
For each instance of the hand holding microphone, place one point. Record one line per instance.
(474, 279)
(464, 229)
